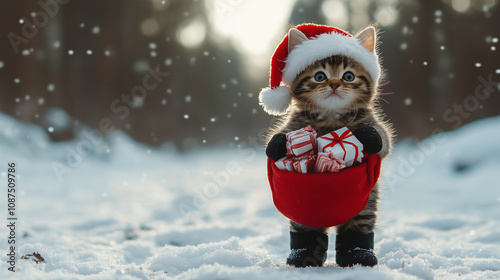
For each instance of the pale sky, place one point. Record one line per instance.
(253, 27)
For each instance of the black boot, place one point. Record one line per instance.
(308, 248)
(355, 248)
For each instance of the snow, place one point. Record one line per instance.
(50, 87)
(137, 212)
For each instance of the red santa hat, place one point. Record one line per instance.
(306, 44)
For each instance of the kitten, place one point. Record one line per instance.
(329, 94)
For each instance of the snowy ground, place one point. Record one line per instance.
(140, 213)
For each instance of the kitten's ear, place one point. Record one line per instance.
(368, 38)
(295, 38)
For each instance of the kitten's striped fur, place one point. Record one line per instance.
(354, 107)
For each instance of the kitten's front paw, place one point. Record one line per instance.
(369, 137)
(276, 148)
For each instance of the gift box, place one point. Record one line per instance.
(285, 163)
(304, 164)
(343, 144)
(327, 163)
(301, 142)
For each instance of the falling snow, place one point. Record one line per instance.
(96, 30)
(50, 87)
(405, 30)
(70, 52)
(408, 101)
(477, 64)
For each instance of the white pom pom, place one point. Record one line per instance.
(275, 101)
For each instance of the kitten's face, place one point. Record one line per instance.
(337, 83)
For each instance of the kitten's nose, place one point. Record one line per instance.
(334, 85)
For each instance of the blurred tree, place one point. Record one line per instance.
(92, 53)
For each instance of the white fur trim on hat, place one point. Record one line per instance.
(275, 101)
(326, 45)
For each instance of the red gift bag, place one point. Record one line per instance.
(323, 199)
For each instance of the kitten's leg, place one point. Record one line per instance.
(308, 245)
(354, 243)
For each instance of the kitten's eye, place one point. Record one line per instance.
(348, 76)
(320, 76)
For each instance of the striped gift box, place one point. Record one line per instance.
(327, 163)
(285, 163)
(304, 164)
(301, 142)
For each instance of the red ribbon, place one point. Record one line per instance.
(336, 139)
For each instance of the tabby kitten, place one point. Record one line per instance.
(329, 94)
